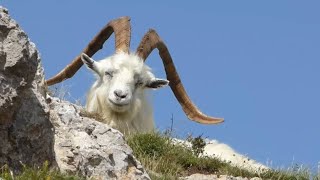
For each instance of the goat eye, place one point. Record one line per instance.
(139, 82)
(109, 73)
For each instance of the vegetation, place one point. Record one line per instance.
(164, 159)
(41, 173)
(198, 144)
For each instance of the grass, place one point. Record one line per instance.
(40, 173)
(62, 92)
(165, 160)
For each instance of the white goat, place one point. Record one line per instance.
(118, 94)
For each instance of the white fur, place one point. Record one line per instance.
(134, 114)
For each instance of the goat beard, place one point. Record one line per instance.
(119, 108)
(123, 112)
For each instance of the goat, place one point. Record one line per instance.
(118, 94)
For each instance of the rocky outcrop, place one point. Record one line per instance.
(91, 147)
(25, 129)
(35, 128)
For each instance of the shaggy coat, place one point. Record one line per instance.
(118, 95)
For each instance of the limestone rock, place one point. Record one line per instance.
(89, 147)
(25, 129)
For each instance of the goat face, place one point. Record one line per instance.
(122, 78)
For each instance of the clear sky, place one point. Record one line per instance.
(255, 63)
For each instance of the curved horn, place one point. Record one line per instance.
(122, 29)
(152, 40)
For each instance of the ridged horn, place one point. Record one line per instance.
(150, 41)
(122, 29)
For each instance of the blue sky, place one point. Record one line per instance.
(255, 63)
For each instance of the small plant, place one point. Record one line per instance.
(60, 91)
(198, 144)
(5, 173)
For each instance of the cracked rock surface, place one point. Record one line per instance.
(91, 147)
(25, 129)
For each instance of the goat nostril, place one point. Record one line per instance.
(120, 94)
(117, 93)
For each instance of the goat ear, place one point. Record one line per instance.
(157, 83)
(91, 64)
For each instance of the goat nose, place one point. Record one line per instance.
(120, 94)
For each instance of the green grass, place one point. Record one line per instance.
(165, 160)
(41, 173)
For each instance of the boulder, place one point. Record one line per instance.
(89, 147)
(27, 135)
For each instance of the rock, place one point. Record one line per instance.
(215, 177)
(225, 153)
(25, 129)
(35, 128)
(89, 147)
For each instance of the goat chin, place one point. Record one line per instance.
(138, 118)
